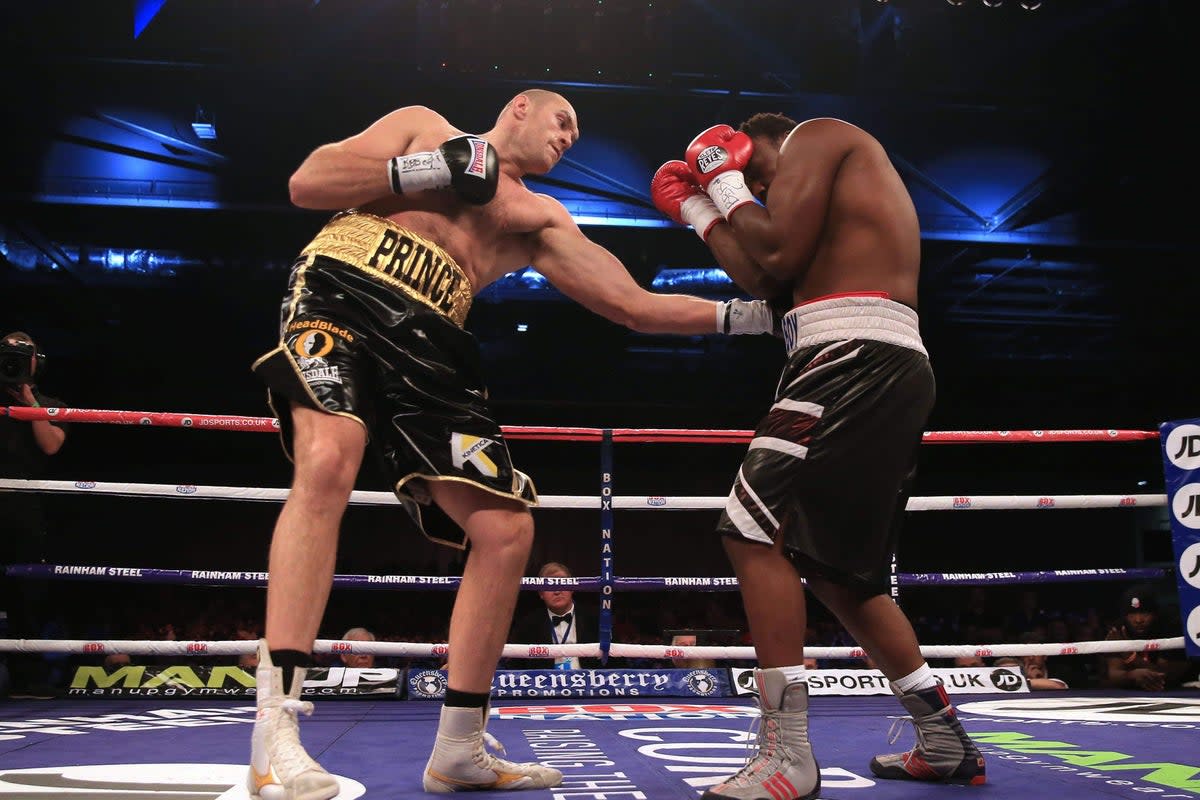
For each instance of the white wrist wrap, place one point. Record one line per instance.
(729, 193)
(744, 316)
(700, 212)
(418, 172)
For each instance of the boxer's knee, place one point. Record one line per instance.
(327, 451)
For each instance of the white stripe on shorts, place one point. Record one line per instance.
(811, 372)
(800, 407)
(743, 519)
(779, 446)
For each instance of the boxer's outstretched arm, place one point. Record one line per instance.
(597, 280)
(354, 171)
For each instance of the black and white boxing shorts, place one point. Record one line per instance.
(830, 465)
(371, 329)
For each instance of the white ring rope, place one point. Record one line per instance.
(586, 650)
(586, 502)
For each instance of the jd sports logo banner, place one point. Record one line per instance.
(1181, 469)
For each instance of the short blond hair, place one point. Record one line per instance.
(554, 566)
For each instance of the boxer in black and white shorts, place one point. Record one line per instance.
(828, 466)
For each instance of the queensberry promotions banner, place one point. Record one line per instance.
(430, 684)
(1181, 469)
(206, 681)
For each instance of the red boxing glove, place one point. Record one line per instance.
(717, 157)
(676, 194)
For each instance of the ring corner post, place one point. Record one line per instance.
(606, 554)
(1180, 442)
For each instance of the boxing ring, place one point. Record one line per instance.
(181, 728)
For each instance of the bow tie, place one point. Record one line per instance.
(556, 620)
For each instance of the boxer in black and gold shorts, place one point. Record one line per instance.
(371, 329)
(829, 464)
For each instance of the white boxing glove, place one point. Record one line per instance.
(746, 316)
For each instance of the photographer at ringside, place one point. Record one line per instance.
(25, 451)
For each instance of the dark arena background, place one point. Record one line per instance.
(146, 236)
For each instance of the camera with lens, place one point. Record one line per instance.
(17, 362)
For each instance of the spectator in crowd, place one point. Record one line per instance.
(359, 660)
(25, 451)
(246, 631)
(689, 640)
(556, 620)
(1153, 671)
(1037, 674)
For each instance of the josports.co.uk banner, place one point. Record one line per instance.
(1181, 469)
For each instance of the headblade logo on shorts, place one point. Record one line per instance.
(313, 344)
(123, 781)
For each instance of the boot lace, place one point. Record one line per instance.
(288, 756)
(485, 760)
(763, 729)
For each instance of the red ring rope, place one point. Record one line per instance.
(173, 419)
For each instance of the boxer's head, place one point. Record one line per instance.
(537, 127)
(767, 130)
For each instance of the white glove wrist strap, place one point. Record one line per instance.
(699, 212)
(729, 192)
(744, 316)
(418, 172)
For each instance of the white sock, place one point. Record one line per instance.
(918, 679)
(793, 674)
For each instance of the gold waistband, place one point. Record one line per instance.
(398, 258)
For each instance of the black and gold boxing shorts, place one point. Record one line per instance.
(371, 329)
